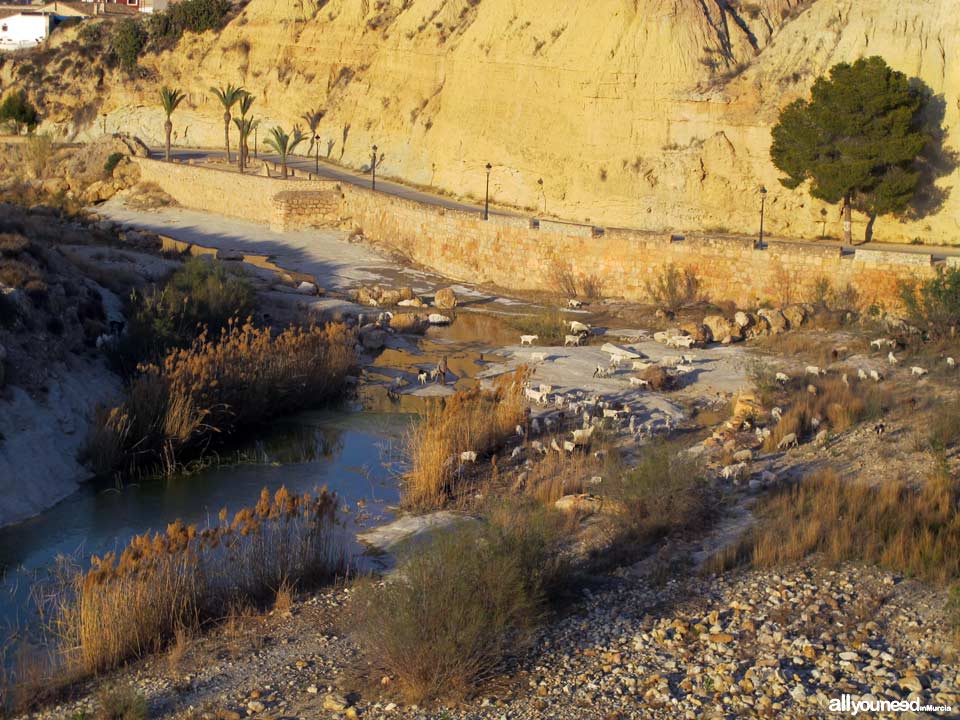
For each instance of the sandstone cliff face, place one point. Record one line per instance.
(642, 113)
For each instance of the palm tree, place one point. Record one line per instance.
(246, 102)
(170, 99)
(228, 97)
(284, 143)
(312, 118)
(244, 126)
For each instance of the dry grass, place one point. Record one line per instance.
(121, 703)
(163, 585)
(550, 327)
(172, 411)
(906, 528)
(472, 420)
(838, 406)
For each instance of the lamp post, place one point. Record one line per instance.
(486, 199)
(316, 144)
(763, 203)
(104, 123)
(540, 183)
(256, 145)
(373, 169)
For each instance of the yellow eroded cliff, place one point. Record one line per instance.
(642, 113)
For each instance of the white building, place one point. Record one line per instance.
(24, 29)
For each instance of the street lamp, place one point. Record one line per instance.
(373, 169)
(486, 201)
(104, 123)
(540, 183)
(256, 145)
(763, 202)
(316, 143)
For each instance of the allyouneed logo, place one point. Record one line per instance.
(846, 704)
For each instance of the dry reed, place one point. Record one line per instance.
(137, 602)
(472, 420)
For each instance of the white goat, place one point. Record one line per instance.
(951, 363)
(579, 328)
(688, 359)
(733, 472)
(582, 437)
(534, 395)
(528, 339)
(862, 374)
(601, 372)
(919, 371)
(814, 370)
(782, 378)
(776, 414)
(891, 358)
(538, 357)
(639, 382)
(875, 376)
(469, 456)
(574, 303)
(573, 340)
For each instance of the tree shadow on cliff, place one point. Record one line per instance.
(937, 160)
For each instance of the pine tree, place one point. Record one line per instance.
(857, 140)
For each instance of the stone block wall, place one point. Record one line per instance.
(514, 253)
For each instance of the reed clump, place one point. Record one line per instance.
(470, 420)
(175, 409)
(908, 528)
(138, 601)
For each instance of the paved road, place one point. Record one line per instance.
(341, 174)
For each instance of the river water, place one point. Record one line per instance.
(354, 450)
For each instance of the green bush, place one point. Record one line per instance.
(202, 294)
(127, 42)
(112, 162)
(18, 111)
(456, 610)
(934, 305)
(191, 15)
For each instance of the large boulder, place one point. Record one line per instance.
(658, 378)
(445, 299)
(795, 315)
(722, 329)
(778, 323)
(372, 338)
(742, 319)
(758, 327)
(698, 331)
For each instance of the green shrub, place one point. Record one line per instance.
(457, 609)
(112, 163)
(127, 42)
(202, 294)
(934, 305)
(18, 111)
(191, 15)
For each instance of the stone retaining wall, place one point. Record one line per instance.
(514, 252)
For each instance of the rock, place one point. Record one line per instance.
(390, 297)
(372, 337)
(308, 288)
(412, 302)
(778, 323)
(406, 293)
(721, 329)
(911, 683)
(445, 299)
(313, 690)
(229, 715)
(255, 706)
(795, 315)
(335, 702)
(437, 319)
(698, 331)
(742, 319)
(721, 638)
(760, 326)
(658, 378)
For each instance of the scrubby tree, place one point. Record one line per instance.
(284, 143)
(934, 305)
(127, 42)
(16, 109)
(857, 140)
(228, 97)
(169, 99)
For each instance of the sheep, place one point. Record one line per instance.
(788, 441)
(573, 340)
(919, 371)
(639, 382)
(516, 452)
(574, 303)
(579, 328)
(733, 472)
(680, 341)
(875, 376)
(814, 370)
(582, 437)
(422, 377)
(951, 363)
(782, 378)
(776, 414)
(641, 365)
(862, 374)
(538, 357)
(468, 456)
(569, 446)
(688, 359)
(520, 431)
(891, 358)
(601, 372)
(528, 339)
(611, 414)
